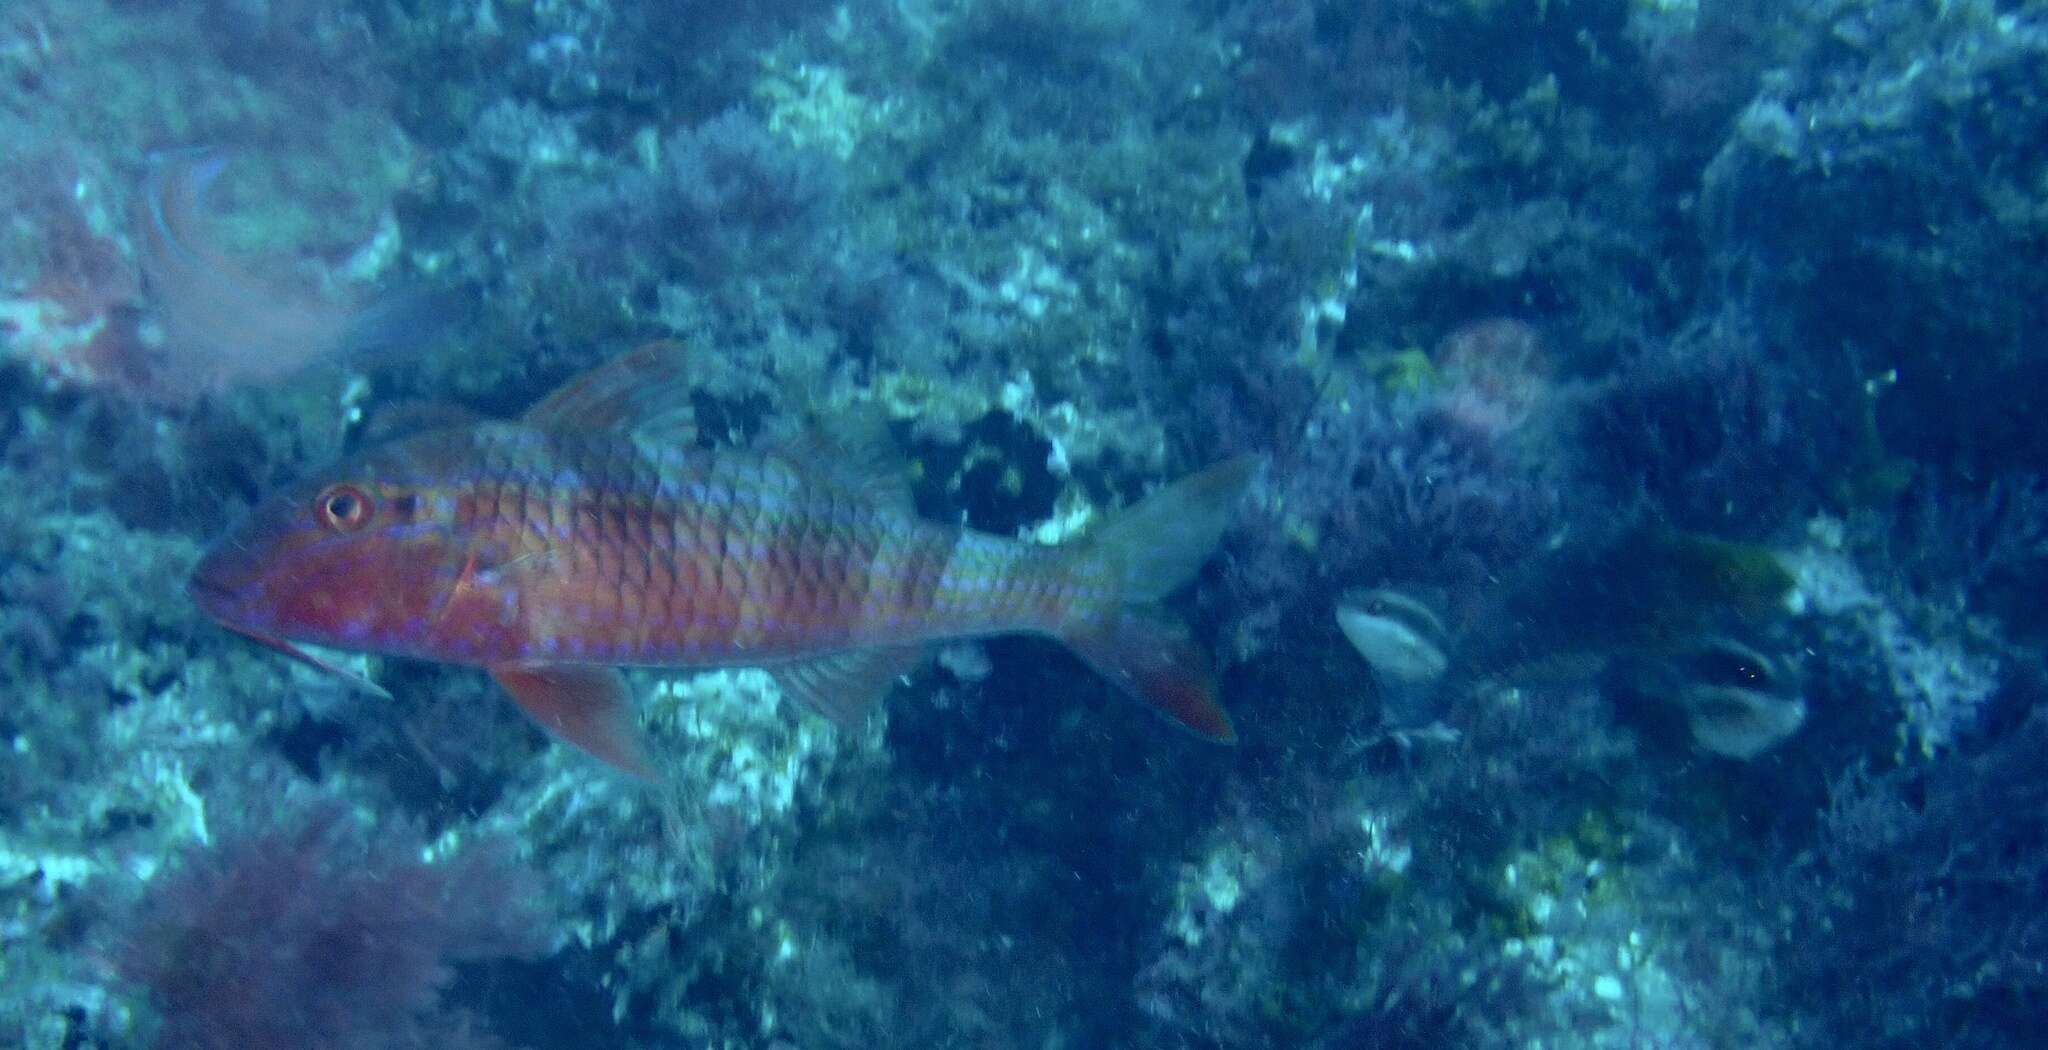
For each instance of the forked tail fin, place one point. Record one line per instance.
(1151, 657)
(1150, 551)
(1158, 545)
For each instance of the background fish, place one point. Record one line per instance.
(592, 533)
(1407, 645)
(227, 320)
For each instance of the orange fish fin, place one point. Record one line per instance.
(1149, 551)
(582, 704)
(844, 687)
(1153, 659)
(645, 391)
(853, 451)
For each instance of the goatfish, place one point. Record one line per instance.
(592, 534)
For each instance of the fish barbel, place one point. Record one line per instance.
(592, 534)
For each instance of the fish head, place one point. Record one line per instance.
(1397, 633)
(355, 557)
(1740, 701)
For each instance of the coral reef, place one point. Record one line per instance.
(679, 902)
(1655, 354)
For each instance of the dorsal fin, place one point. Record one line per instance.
(853, 450)
(645, 392)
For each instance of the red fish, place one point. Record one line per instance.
(592, 534)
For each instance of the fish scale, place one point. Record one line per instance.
(726, 571)
(758, 563)
(592, 533)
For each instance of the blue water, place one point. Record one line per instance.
(1630, 634)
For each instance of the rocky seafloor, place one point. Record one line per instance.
(1633, 632)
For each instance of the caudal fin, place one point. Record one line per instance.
(1152, 658)
(1150, 551)
(1158, 545)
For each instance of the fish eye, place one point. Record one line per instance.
(1732, 668)
(344, 507)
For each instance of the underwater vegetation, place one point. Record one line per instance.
(318, 932)
(1919, 864)
(1629, 628)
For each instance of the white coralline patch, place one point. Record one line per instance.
(1383, 850)
(1940, 681)
(1608, 984)
(1210, 890)
(731, 717)
(1072, 515)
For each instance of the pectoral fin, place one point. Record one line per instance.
(586, 706)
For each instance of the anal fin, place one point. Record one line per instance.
(584, 705)
(845, 686)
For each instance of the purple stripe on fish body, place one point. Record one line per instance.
(723, 557)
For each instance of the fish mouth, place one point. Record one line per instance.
(223, 603)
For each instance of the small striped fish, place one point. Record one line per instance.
(592, 534)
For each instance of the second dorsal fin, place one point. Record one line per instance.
(853, 451)
(645, 391)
